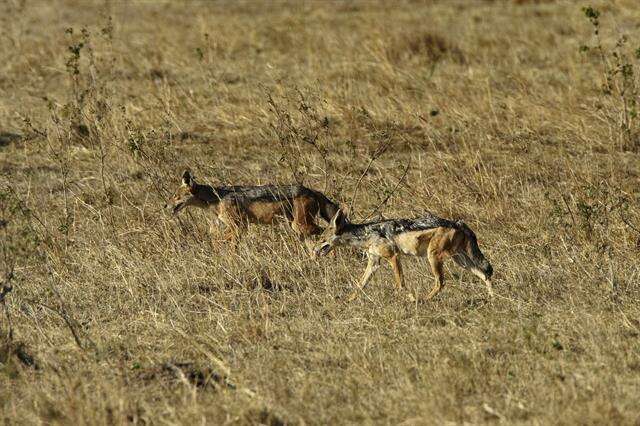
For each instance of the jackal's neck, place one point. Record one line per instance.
(355, 234)
(209, 195)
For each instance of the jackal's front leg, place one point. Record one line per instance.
(436, 268)
(234, 223)
(232, 232)
(372, 267)
(399, 275)
(397, 271)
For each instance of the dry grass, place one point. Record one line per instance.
(121, 314)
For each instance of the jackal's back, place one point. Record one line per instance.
(392, 227)
(266, 193)
(283, 193)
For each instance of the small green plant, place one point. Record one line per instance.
(620, 83)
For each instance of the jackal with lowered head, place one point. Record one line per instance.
(428, 236)
(237, 206)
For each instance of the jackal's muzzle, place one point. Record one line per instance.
(323, 250)
(481, 265)
(487, 269)
(174, 208)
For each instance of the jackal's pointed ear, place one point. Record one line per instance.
(187, 179)
(339, 220)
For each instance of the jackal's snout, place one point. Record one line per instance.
(172, 207)
(183, 196)
(175, 208)
(322, 250)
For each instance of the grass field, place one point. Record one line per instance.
(496, 112)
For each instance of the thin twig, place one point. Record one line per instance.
(380, 150)
(67, 321)
(357, 187)
(386, 199)
(62, 312)
(573, 219)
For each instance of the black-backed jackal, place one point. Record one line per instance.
(428, 236)
(237, 206)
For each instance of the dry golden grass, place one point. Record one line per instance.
(121, 314)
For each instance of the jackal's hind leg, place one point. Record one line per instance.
(372, 267)
(303, 221)
(437, 270)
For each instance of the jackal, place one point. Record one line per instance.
(429, 236)
(237, 206)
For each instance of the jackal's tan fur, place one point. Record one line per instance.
(237, 206)
(428, 236)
